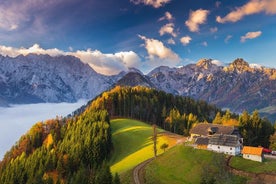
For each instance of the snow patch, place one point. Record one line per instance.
(218, 63)
(253, 65)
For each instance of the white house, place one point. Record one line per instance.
(227, 144)
(253, 153)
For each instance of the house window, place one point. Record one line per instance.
(218, 147)
(230, 148)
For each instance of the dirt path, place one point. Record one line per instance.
(138, 179)
(137, 171)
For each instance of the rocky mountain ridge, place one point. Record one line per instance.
(237, 86)
(42, 78)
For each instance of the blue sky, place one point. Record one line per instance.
(113, 35)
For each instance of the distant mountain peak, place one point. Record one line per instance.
(209, 64)
(134, 70)
(239, 62)
(135, 79)
(239, 65)
(205, 63)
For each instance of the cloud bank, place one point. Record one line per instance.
(250, 8)
(251, 35)
(195, 19)
(24, 116)
(153, 3)
(108, 64)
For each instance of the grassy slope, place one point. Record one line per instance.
(133, 144)
(187, 165)
(268, 165)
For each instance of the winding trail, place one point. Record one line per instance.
(137, 171)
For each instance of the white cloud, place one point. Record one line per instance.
(205, 44)
(185, 40)
(156, 48)
(196, 18)
(168, 16)
(36, 49)
(228, 37)
(154, 3)
(167, 28)
(14, 14)
(251, 35)
(171, 41)
(108, 64)
(214, 29)
(252, 7)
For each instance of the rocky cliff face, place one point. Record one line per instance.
(42, 78)
(237, 86)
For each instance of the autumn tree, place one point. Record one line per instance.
(218, 119)
(164, 146)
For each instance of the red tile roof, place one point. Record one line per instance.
(252, 150)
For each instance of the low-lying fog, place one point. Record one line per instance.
(18, 119)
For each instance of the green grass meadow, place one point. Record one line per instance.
(183, 164)
(132, 142)
(269, 165)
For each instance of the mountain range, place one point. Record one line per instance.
(41, 78)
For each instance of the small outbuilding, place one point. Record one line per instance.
(253, 153)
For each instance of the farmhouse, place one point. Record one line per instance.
(208, 129)
(253, 153)
(227, 144)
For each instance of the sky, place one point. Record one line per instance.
(23, 117)
(112, 35)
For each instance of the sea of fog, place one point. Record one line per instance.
(16, 120)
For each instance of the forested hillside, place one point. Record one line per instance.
(174, 113)
(76, 149)
(178, 114)
(70, 150)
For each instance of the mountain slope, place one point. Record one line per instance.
(42, 78)
(237, 86)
